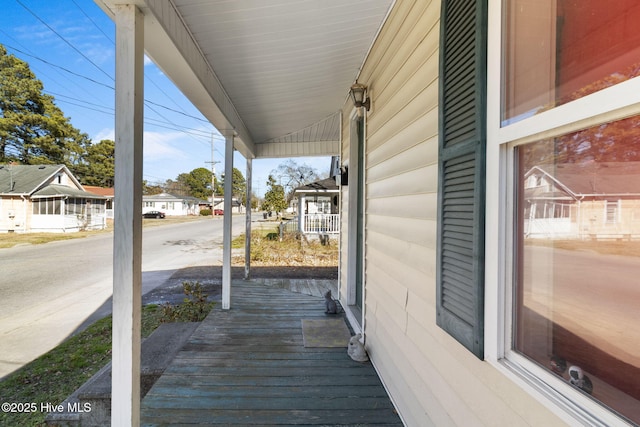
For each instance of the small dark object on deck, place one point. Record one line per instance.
(330, 304)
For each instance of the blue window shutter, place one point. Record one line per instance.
(461, 186)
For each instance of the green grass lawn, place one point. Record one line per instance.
(52, 377)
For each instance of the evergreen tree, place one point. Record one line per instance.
(274, 199)
(199, 183)
(97, 167)
(238, 186)
(33, 130)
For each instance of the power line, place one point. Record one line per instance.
(65, 40)
(176, 111)
(95, 65)
(153, 122)
(60, 67)
(111, 113)
(176, 126)
(98, 67)
(111, 87)
(93, 22)
(100, 107)
(43, 72)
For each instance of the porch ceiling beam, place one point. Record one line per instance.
(319, 139)
(297, 149)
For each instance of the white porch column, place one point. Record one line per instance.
(226, 225)
(247, 240)
(301, 210)
(127, 235)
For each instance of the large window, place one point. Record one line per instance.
(564, 127)
(561, 50)
(75, 206)
(46, 206)
(577, 297)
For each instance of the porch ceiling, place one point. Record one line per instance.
(274, 72)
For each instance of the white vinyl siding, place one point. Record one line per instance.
(431, 378)
(401, 183)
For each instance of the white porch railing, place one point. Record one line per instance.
(321, 223)
(312, 224)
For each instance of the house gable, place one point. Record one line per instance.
(27, 179)
(604, 179)
(46, 198)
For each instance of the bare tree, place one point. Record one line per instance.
(291, 175)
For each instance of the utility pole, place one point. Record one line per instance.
(213, 176)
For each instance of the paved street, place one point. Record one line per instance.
(49, 290)
(568, 287)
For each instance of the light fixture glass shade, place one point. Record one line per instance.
(357, 94)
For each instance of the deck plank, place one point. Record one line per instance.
(248, 366)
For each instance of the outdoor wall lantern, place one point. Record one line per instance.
(344, 175)
(359, 96)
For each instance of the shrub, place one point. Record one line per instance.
(205, 212)
(194, 308)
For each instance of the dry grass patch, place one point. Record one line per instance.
(293, 250)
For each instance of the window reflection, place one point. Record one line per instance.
(578, 260)
(560, 50)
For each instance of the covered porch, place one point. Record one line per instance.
(271, 77)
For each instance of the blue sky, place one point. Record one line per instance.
(69, 45)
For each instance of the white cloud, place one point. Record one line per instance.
(100, 54)
(158, 146)
(106, 133)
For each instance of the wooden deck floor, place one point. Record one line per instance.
(248, 366)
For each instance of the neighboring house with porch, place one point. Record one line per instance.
(316, 205)
(451, 101)
(108, 193)
(583, 201)
(47, 198)
(171, 205)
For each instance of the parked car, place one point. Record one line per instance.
(153, 214)
(218, 212)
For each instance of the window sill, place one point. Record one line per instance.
(560, 398)
(354, 317)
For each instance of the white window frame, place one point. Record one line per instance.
(614, 103)
(611, 212)
(358, 324)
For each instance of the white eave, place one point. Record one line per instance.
(273, 72)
